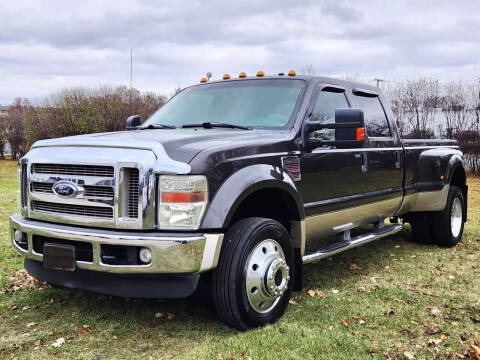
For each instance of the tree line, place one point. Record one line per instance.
(423, 108)
(73, 111)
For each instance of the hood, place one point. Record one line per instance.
(180, 144)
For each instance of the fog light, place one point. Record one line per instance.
(145, 255)
(18, 236)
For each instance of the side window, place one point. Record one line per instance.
(324, 111)
(375, 118)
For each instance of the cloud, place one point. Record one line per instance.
(50, 44)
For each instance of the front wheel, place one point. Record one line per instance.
(252, 282)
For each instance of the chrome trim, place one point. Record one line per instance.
(365, 149)
(213, 245)
(298, 233)
(170, 253)
(406, 147)
(336, 221)
(351, 243)
(407, 203)
(431, 200)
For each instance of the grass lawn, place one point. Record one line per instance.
(390, 299)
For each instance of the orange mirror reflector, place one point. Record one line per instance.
(292, 73)
(226, 77)
(260, 73)
(204, 79)
(361, 134)
(242, 74)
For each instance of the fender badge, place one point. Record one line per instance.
(291, 164)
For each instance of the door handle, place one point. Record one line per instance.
(397, 159)
(364, 161)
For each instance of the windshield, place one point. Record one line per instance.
(266, 103)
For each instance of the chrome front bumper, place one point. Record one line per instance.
(172, 253)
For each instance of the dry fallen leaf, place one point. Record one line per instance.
(335, 291)
(59, 342)
(353, 267)
(158, 315)
(434, 311)
(345, 322)
(31, 324)
(311, 292)
(409, 355)
(170, 316)
(293, 302)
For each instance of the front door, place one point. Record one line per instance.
(333, 179)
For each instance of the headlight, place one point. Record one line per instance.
(182, 201)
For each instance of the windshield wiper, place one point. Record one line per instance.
(209, 125)
(157, 126)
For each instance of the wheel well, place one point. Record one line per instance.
(270, 203)
(459, 177)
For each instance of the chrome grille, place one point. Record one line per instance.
(132, 193)
(23, 185)
(94, 192)
(77, 170)
(79, 210)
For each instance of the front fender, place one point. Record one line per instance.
(243, 183)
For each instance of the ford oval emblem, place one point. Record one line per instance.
(65, 189)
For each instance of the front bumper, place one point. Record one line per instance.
(172, 253)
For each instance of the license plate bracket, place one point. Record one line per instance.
(59, 257)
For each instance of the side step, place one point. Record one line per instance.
(347, 243)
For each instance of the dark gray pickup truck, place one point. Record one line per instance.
(238, 181)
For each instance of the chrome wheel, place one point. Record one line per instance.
(267, 276)
(456, 217)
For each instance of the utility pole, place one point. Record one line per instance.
(131, 76)
(131, 68)
(378, 81)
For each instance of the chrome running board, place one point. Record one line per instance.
(346, 242)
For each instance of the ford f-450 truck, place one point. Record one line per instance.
(238, 181)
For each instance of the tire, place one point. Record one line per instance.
(447, 225)
(421, 224)
(257, 256)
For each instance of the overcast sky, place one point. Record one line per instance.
(46, 45)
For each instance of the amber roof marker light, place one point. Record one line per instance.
(203, 80)
(243, 74)
(292, 73)
(226, 76)
(260, 73)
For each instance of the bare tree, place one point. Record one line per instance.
(3, 138)
(14, 128)
(308, 70)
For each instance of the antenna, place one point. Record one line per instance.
(209, 75)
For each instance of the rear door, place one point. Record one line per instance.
(383, 154)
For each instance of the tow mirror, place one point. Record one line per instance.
(133, 121)
(349, 129)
